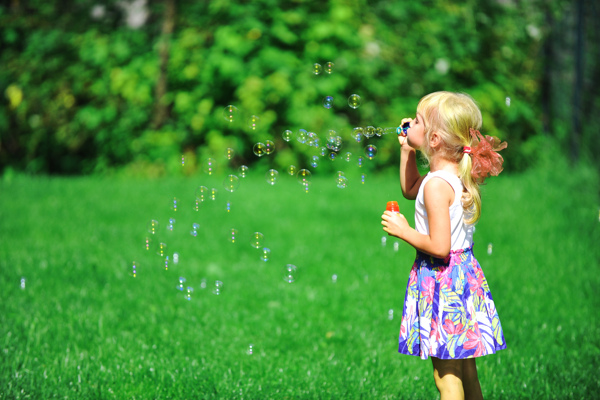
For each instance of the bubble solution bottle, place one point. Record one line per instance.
(393, 207)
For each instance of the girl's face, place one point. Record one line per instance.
(416, 133)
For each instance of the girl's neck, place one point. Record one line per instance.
(442, 164)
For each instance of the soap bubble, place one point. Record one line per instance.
(266, 253)
(317, 68)
(230, 113)
(341, 180)
(363, 177)
(359, 161)
(202, 193)
(171, 224)
(269, 147)
(153, 226)
(302, 136)
(490, 248)
(243, 169)
(174, 204)
(348, 156)
(292, 170)
(329, 67)
(312, 139)
(218, 288)
(210, 165)
(233, 234)
(371, 151)
(194, 231)
(249, 352)
(257, 240)
(323, 151)
(332, 156)
(290, 273)
(147, 243)
(369, 131)
(314, 162)
(162, 248)
(507, 101)
(328, 102)
(358, 133)
(231, 183)
(229, 153)
(213, 194)
(354, 101)
(181, 282)
(390, 314)
(259, 149)
(304, 177)
(389, 131)
(272, 176)
(189, 293)
(287, 135)
(253, 122)
(166, 263)
(133, 267)
(379, 132)
(334, 142)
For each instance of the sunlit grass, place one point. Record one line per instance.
(84, 327)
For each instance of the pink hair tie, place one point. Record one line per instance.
(486, 160)
(467, 150)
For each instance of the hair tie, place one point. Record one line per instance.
(486, 160)
(467, 150)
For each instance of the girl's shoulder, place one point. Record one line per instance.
(450, 179)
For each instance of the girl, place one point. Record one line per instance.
(448, 311)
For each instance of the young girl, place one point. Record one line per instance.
(449, 314)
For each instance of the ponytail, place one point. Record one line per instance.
(471, 197)
(479, 161)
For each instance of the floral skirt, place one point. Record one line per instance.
(448, 311)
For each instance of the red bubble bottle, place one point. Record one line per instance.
(393, 206)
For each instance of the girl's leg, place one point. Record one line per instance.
(448, 375)
(471, 381)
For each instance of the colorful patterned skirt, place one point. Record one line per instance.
(448, 311)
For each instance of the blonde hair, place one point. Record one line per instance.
(452, 116)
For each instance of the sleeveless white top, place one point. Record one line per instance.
(461, 233)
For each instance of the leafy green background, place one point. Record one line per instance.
(79, 83)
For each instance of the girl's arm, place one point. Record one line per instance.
(438, 196)
(410, 178)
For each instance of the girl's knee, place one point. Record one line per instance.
(448, 375)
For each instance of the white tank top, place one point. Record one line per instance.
(461, 233)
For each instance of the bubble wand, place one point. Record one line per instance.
(402, 130)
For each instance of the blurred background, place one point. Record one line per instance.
(93, 87)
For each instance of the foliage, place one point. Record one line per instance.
(79, 86)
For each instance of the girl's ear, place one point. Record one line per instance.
(434, 140)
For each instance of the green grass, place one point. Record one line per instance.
(83, 327)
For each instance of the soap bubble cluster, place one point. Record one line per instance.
(333, 148)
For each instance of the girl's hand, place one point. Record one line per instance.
(395, 224)
(403, 140)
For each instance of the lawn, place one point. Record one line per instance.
(76, 323)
